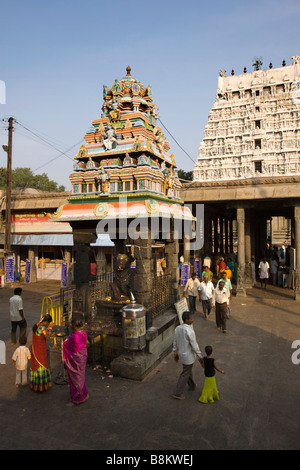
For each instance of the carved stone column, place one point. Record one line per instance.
(100, 260)
(186, 249)
(144, 271)
(248, 272)
(297, 246)
(240, 218)
(82, 265)
(32, 254)
(68, 259)
(172, 271)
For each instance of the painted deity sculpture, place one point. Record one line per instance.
(125, 138)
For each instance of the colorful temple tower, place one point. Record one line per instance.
(126, 158)
(125, 150)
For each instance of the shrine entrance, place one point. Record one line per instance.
(238, 221)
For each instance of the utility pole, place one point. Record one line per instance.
(8, 149)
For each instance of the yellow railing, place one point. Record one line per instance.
(56, 305)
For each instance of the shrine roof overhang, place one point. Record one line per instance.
(122, 208)
(125, 115)
(123, 147)
(282, 188)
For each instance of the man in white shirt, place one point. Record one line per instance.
(221, 304)
(206, 291)
(186, 350)
(274, 270)
(228, 287)
(17, 315)
(191, 288)
(264, 272)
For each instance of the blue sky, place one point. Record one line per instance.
(55, 57)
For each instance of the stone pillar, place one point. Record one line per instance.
(230, 236)
(216, 236)
(248, 273)
(226, 242)
(100, 260)
(144, 271)
(240, 218)
(31, 256)
(82, 264)
(172, 270)
(68, 259)
(186, 249)
(207, 233)
(222, 250)
(297, 246)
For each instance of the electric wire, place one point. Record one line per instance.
(55, 158)
(176, 141)
(41, 138)
(37, 140)
(47, 141)
(43, 134)
(44, 140)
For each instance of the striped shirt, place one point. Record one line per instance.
(192, 287)
(21, 357)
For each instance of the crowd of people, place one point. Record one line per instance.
(212, 289)
(211, 296)
(74, 353)
(185, 346)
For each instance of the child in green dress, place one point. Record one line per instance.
(210, 391)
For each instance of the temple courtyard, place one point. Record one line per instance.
(259, 394)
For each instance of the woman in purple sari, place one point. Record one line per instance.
(75, 357)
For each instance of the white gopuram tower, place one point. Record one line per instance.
(253, 128)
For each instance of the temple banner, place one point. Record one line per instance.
(185, 270)
(197, 268)
(28, 270)
(9, 269)
(64, 274)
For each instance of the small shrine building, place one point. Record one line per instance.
(125, 183)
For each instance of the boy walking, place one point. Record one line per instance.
(20, 359)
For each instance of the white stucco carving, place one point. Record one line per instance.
(253, 128)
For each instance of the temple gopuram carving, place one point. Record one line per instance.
(253, 127)
(125, 150)
(125, 157)
(248, 171)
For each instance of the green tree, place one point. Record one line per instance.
(23, 178)
(185, 175)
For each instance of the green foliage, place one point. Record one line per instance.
(185, 175)
(23, 178)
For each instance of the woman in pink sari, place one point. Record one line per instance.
(75, 357)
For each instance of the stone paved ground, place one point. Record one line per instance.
(259, 395)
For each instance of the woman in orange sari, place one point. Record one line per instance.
(40, 377)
